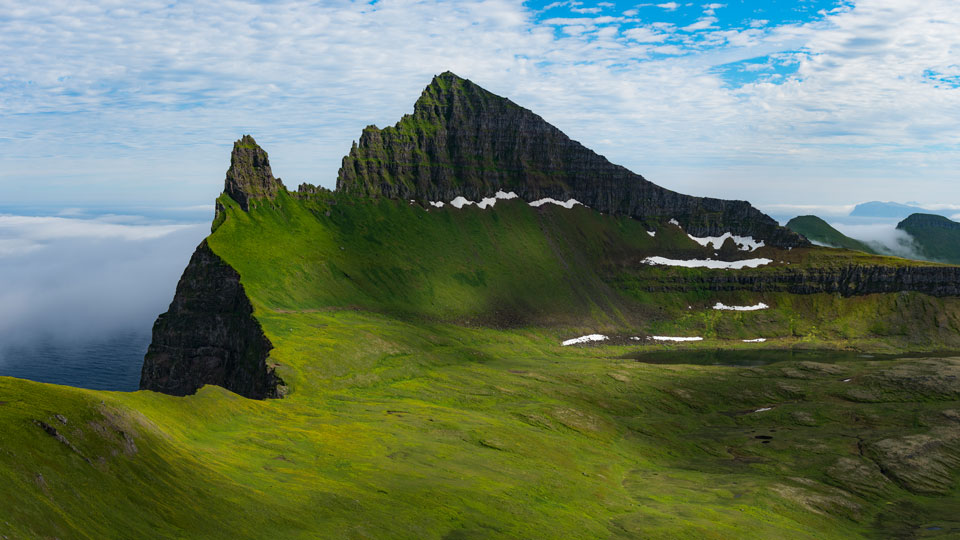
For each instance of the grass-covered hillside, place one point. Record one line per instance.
(935, 237)
(570, 270)
(428, 395)
(821, 232)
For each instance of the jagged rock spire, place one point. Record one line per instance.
(249, 175)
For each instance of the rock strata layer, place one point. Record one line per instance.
(209, 336)
(851, 280)
(462, 140)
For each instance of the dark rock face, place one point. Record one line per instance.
(463, 140)
(209, 336)
(847, 281)
(249, 175)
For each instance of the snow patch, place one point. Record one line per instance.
(584, 339)
(652, 233)
(758, 340)
(671, 338)
(708, 263)
(486, 202)
(460, 202)
(764, 409)
(489, 201)
(674, 222)
(761, 305)
(745, 243)
(569, 204)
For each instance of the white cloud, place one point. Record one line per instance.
(821, 210)
(711, 9)
(645, 35)
(103, 100)
(669, 6)
(40, 229)
(701, 24)
(72, 279)
(884, 234)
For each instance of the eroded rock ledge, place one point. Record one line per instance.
(209, 336)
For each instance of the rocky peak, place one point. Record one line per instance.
(462, 140)
(249, 176)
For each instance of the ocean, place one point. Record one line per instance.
(110, 364)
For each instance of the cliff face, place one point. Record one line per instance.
(847, 281)
(463, 140)
(209, 336)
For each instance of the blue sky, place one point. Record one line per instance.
(804, 104)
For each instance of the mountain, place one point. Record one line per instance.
(373, 364)
(462, 140)
(820, 232)
(935, 237)
(465, 265)
(885, 210)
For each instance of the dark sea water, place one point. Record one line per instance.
(110, 364)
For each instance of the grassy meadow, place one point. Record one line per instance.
(429, 397)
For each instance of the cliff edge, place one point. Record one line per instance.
(209, 334)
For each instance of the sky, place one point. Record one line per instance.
(812, 103)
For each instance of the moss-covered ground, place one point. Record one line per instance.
(429, 398)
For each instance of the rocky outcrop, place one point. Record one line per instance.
(249, 176)
(463, 140)
(845, 280)
(209, 336)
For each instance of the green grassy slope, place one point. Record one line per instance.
(935, 237)
(398, 430)
(425, 404)
(818, 230)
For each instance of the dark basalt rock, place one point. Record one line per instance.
(249, 176)
(209, 336)
(846, 280)
(463, 140)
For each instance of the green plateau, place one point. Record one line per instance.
(420, 389)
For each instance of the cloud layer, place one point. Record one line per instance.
(101, 100)
(68, 279)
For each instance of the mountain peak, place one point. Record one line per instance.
(450, 95)
(464, 141)
(249, 175)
